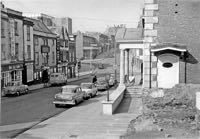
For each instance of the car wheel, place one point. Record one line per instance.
(91, 95)
(26, 91)
(18, 93)
(57, 105)
(76, 102)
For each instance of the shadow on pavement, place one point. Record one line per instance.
(123, 106)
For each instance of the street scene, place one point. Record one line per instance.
(100, 69)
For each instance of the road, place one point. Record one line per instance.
(20, 113)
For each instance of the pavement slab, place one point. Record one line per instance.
(85, 121)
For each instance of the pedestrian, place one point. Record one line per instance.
(94, 80)
(45, 77)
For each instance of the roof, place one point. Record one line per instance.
(39, 26)
(70, 86)
(169, 46)
(129, 34)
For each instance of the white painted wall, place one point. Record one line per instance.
(168, 77)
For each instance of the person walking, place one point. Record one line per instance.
(45, 77)
(94, 80)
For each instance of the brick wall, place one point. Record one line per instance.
(179, 22)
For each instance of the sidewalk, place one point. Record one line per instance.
(81, 75)
(86, 121)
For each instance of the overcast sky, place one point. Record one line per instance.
(87, 15)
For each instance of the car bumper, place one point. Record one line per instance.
(101, 87)
(9, 92)
(68, 102)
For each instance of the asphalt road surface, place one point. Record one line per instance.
(20, 113)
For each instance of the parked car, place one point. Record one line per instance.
(100, 66)
(112, 81)
(102, 84)
(90, 89)
(57, 79)
(15, 88)
(69, 95)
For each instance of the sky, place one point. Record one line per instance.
(87, 15)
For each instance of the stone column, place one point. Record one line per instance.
(122, 65)
(127, 62)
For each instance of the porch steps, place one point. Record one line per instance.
(133, 92)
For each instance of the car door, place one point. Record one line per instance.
(80, 94)
(93, 90)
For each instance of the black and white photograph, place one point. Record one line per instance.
(100, 69)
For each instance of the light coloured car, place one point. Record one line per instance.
(69, 95)
(15, 88)
(102, 84)
(112, 81)
(57, 79)
(90, 89)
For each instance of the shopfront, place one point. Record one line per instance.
(11, 73)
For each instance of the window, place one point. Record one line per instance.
(2, 29)
(36, 41)
(28, 33)
(29, 52)
(3, 52)
(36, 58)
(16, 50)
(53, 57)
(16, 28)
(45, 41)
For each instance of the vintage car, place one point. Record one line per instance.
(15, 88)
(69, 95)
(101, 66)
(112, 81)
(102, 84)
(57, 79)
(90, 89)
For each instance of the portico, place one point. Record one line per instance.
(125, 48)
(130, 43)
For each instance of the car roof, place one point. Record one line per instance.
(55, 73)
(86, 83)
(70, 86)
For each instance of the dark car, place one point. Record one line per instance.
(102, 84)
(100, 66)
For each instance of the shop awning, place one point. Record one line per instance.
(169, 46)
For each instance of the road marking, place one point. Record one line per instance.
(17, 126)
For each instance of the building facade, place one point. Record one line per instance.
(44, 49)
(87, 46)
(11, 45)
(171, 34)
(28, 50)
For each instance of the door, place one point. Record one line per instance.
(168, 70)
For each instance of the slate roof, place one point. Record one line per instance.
(129, 34)
(39, 26)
